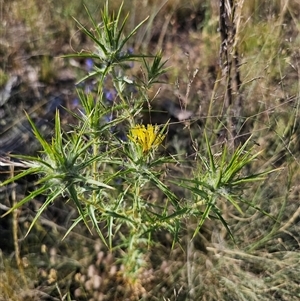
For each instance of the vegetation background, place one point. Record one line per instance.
(263, 264)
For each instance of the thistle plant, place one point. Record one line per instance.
(108, 164)
(145, 139)
(220, 179)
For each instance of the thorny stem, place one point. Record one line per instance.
(229, 64)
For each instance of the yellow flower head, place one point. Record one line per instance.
(148, 138)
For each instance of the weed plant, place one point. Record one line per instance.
(117, 174)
